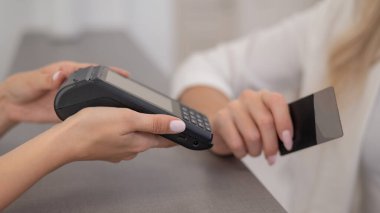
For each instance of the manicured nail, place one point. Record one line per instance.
(271, 159)
(286, 137)
(56, 75)
(177, 126)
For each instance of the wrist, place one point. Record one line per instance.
(57, 139)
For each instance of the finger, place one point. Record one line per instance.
(26, 86)
(155, 124)
(114, 160)
(279, 108)
(265, 122)
(247, 128)
(120, 71)
(152, 141)
(52, 76)
(42, 81)
(138, 142)
(141, 142)
(130, 157)
(220, 146)
(68, 67)
(228, 131)
(163, 142)
(58, 78)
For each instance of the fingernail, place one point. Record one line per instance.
(56, 75)
(177, 126)
(287, 139)
(271, 159)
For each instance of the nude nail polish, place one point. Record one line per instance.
(271, 159)
(177, 126)
(286, 137)
(56, 75)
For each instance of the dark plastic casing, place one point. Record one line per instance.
(87, 88)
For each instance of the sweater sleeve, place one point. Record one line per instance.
(270, 59)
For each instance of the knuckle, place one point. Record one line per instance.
(266, 121)
(264, 92)
(261, 94)
(254, 146)
(221, 116)
(233, 105)
(252, 137)
(157, 126)
(255, 153)
(240, 153)
(247, 94)
(277, 98)
(236, 147)
(270, 149)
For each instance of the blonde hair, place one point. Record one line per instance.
(358, 48)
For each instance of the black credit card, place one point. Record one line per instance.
(315, 120)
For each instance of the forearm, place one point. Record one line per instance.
(5, 123)
(25, 165)
(205, 99)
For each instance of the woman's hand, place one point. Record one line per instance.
(252, 124)
(100, 133)
(113, 134)
(28, 96)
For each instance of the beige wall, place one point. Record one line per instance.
(166, 30)
(203, 23)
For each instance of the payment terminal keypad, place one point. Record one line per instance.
(195, 117)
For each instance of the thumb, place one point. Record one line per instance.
(47, 81)
(157, 124)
